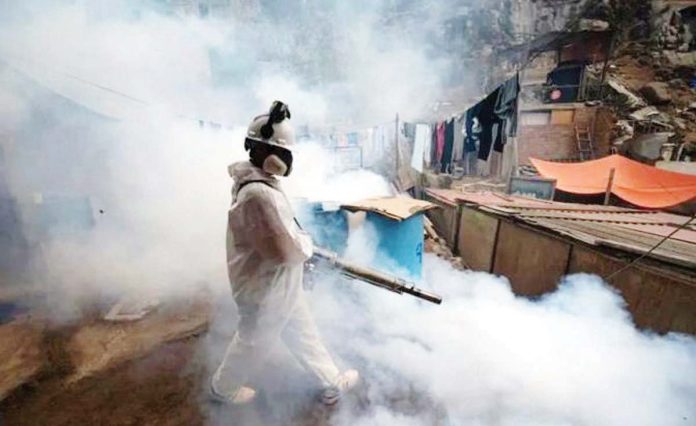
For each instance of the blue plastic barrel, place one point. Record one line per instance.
(400, 243)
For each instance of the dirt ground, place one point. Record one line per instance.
(163, 388)
(157, 384)
(159, 389)
(168, 385)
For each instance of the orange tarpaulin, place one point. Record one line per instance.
(637, 183)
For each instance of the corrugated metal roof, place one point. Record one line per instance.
(630, 230)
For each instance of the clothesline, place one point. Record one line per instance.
(460, 137)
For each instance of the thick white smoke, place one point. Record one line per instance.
(487, 357)
(109, 107)
(106, 100)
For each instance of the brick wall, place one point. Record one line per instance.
(604, 124)
(547, 142)
(557, 141)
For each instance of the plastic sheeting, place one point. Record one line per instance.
(637, 183)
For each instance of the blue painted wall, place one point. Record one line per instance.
(328, 227)
(400, 242)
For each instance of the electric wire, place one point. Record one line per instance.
(654, 247)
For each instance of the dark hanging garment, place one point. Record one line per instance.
(487, 118)
(507, 102)
(449, 144)
(500, 136)
(433, 147)
(470, 139)
(410, 130)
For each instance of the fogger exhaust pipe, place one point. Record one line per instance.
(376, 278)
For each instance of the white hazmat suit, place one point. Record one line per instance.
(266, 251)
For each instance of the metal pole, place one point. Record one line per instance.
(609, 185)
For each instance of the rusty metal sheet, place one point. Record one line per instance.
(626, 229)
(656, 301)
(615, 217)
(476, 239)
(674, 251)
(533, 262)
(686, 235)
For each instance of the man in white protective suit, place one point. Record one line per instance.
(266, 251)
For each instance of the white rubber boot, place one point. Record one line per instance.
(344, 383)
(243, 396)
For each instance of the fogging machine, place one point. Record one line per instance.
(372, 276)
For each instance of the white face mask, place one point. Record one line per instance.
(274, 165)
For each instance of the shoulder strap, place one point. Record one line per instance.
(241, 186)
(254, 181)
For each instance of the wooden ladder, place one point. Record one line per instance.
(583, 138)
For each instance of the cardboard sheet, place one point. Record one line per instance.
(397, 208)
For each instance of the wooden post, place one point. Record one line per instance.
(607, 194)
(518, 114)
(609, 52)
(396, 150)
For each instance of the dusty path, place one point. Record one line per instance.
(159, 389)
(164, 388)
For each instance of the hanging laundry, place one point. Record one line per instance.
(363, 136)
(471, 157)
(433, 144)
(470, 140)
(352, 139)
(506, 111)
(374, 147)
(458, 148)
(420, 141)
(487, 119)
(410, 130)
(367, 147)
(446, 162)
(497, 115)
(500, 136)
(340, 140)
(440, 141)
(428, 145)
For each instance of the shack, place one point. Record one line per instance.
(519, 237)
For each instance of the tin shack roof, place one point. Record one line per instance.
(629, 230)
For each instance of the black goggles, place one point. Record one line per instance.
(268, 149)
